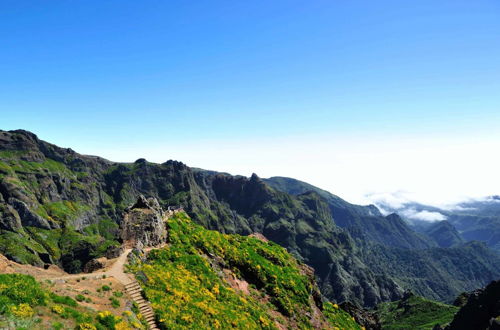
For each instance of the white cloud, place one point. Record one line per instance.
(413, 214)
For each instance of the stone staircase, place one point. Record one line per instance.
(135, 291)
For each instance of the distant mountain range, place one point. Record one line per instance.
(61, 207)
(474, 220)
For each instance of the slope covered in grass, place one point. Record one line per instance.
(26, 304)
(206, 279)
(414, 312)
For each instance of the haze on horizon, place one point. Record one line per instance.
(365, 99)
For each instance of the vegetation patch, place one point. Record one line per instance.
(26, 304)
(414, 312)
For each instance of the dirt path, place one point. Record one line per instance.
(116, 270)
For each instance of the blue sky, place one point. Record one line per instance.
(255, 86)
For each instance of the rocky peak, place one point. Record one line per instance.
(144, 223)
(146, 203)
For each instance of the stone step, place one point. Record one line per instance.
(134, 290)
(136, 286)
(133, 287)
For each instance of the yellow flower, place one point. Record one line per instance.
(187, 318)
(23, 311)
(264, 322)
(122, 326)
(86, 326)
(58, 309)
(216, 324)
(335, 306)
(136, 325)
(215, 289)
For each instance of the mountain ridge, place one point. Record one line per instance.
(86, 195)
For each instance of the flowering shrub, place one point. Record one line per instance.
(21, 295)
(16, 289)
(86, 326)
(107, 319)
(22, 311)
(58, 309)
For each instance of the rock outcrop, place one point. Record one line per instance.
(482, 310)
(144, 224)
(363, 317)
(93, 265)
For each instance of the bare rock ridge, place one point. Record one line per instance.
(143, 224)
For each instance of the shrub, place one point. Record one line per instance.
(107, 319)
(22, 311)
(65, 300)
(80, 298)
(114, 302)
(16, 289)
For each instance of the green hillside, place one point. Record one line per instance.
(414, 312)
(189, 283)
(27, 304)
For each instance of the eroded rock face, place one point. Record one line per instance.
(481, 310)
(114, 252)
(362, 316)
(144, 224)
(93, 265)
(29, 218)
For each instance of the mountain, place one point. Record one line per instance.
(364, 222)
(191, 277)
(473, 220)
(444, 234)
(60, 207)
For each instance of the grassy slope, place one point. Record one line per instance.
(415, 313)
(26, 304)
(185, 282)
